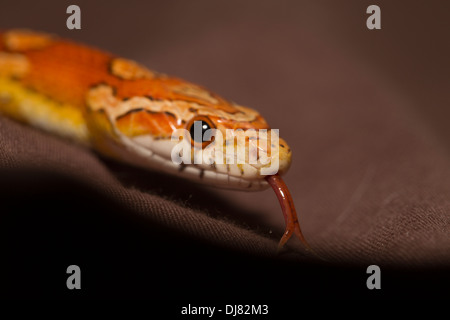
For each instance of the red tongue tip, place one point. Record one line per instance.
(288, 208)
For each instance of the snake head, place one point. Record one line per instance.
(194, 134)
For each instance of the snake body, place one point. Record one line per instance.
(124, 110)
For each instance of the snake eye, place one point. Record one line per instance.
(199, 129)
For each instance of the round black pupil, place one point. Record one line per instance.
(202, 127)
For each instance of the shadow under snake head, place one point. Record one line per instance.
(200, 136)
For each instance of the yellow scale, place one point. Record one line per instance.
(38, 110)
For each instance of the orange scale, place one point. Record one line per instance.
(143, 122)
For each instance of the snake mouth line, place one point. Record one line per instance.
(222, 180)
(227, 181)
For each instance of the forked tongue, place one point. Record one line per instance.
(288, 208)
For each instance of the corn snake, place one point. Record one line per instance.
(127, 112)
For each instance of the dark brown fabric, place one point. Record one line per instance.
(365, 113)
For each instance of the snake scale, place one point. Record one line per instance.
(127, 112)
